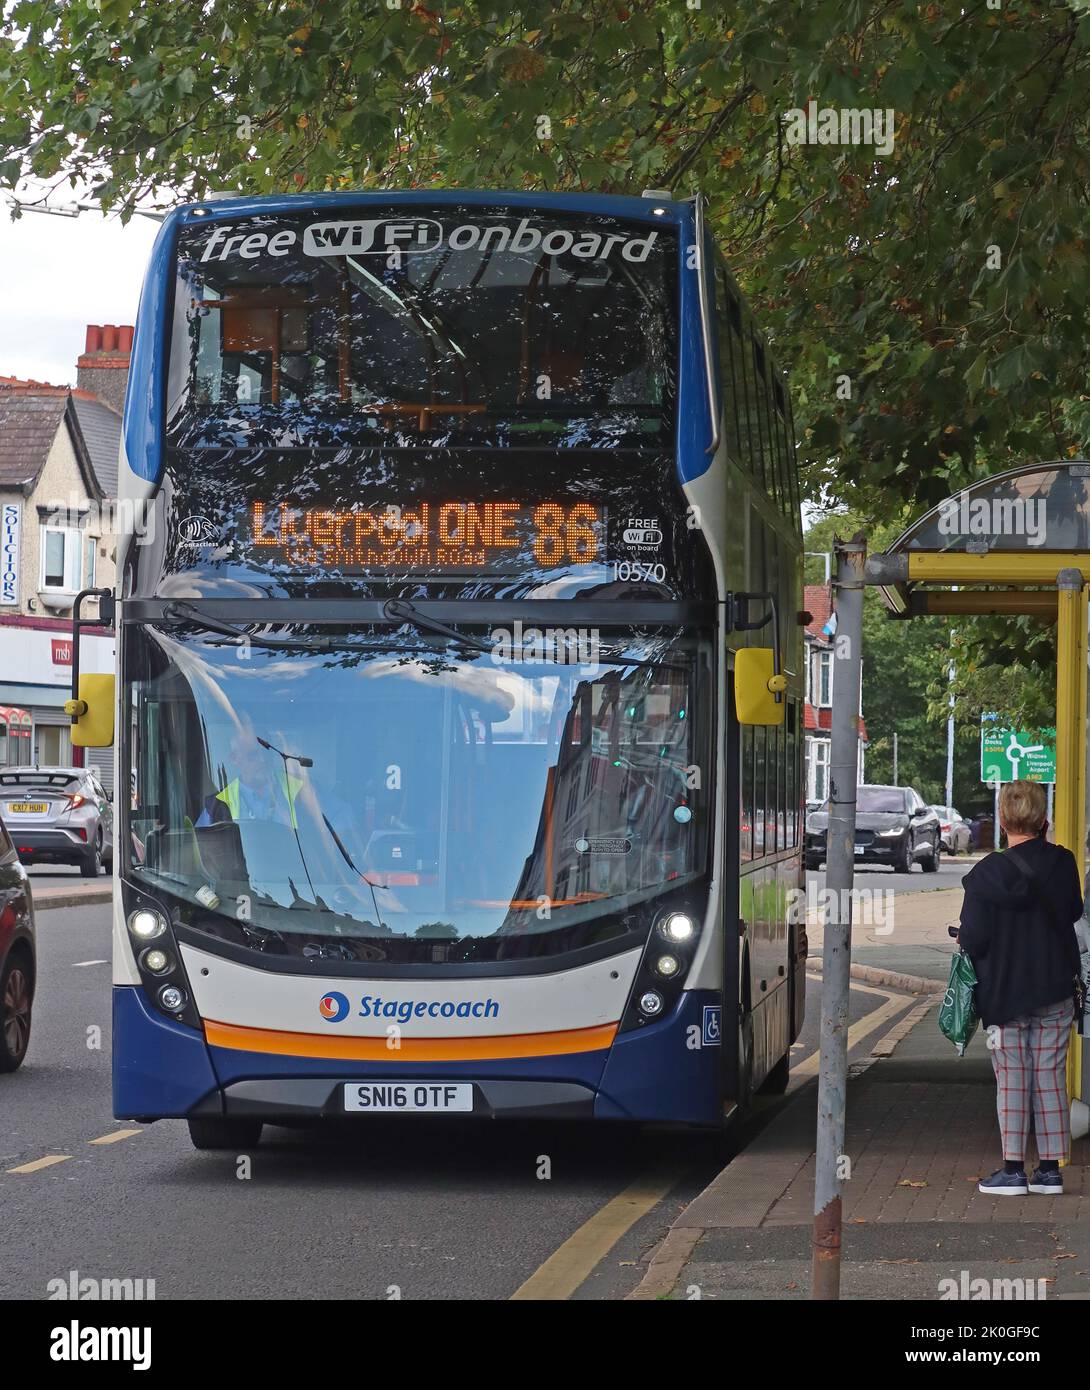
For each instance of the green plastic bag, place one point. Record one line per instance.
(958, 1018)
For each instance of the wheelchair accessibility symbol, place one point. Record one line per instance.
(713, 1025)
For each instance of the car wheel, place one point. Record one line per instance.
(903, 863)
(91, 865)
(214, 1132)
(931, 864)
(16, 1000)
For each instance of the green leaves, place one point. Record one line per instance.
(878, 261)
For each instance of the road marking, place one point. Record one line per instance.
(570, 1265)
(40, 1163)
(896, 1003)
(76, 964)
(115, 1135)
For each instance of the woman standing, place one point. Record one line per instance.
(1017, 927)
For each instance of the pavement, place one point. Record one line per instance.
(921, 1129)
(62, 885)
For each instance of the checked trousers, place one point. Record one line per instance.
(1029, 1056)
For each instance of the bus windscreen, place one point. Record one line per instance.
(466, 325)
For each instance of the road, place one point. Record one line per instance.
(949, 875)
(435, 1210)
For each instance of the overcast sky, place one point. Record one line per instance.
(60, 274)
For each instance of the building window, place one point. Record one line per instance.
(62, 558)
(824, 680)
(819, 769)
(90, 554)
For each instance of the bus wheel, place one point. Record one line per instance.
(216, 1133)
(775, 1083)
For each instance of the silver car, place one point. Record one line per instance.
(58, 815)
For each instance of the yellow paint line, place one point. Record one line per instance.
(857, 1032)
(570, 1265)
(39, 1163)
(816, 977)
(115, 1135)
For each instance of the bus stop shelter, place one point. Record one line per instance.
(1015, 543)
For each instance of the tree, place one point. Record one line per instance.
(932, 300)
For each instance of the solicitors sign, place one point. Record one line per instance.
(10, 518)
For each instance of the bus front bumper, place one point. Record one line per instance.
(657, 1074)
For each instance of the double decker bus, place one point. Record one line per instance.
(460, 690)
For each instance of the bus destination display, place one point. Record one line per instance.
(461, 534)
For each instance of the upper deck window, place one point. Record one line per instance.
(465, 325)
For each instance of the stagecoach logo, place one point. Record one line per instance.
(394, 237)
(333, 1007)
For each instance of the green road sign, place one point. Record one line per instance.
(1012, 755)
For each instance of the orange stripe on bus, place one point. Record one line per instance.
(480, 1049)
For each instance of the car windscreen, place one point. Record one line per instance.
(882, 799)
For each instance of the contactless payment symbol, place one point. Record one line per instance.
(713, 1025)
(333, 1007)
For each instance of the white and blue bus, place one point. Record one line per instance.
(460, 701)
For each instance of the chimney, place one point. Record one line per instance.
(103, 366)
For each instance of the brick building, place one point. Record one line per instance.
(59, 449)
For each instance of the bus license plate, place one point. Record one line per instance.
(398, 1097)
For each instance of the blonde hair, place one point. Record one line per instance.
(1022, 807)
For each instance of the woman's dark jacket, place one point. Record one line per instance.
(1019, 933)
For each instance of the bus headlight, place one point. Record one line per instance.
(172, 999)
(677, 927)
(667, 966)
(158, 962)
(651, 1003)
(146, 925)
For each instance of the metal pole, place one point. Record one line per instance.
(836, 955)
(950, 741)
(895, 782)
(995, 814)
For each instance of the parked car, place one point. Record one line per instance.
(957, 838)
(58, 815)
(17, 956)
(892, 826)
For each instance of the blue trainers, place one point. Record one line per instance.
(1004, 1184)
(1051, 1184)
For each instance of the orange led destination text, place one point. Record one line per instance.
(463, 533)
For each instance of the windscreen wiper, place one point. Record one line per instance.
(395, 610)
(180, 612)
(401, 608)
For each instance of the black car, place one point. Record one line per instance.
(17, 959)
(892, 826)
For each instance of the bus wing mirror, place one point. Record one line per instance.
(757, 685)
(92, 711)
